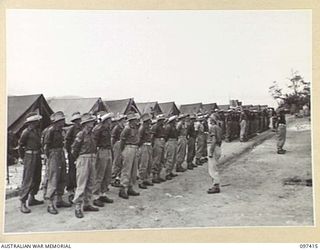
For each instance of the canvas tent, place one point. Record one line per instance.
(209, 107)
(169, 108)
(224, 107)
(20, 106)
(123, 106)
(152, 108)
(193, 108)
(70, 105)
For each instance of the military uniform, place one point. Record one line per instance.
(117, 159)
(191, 152)
(243, 127)
(69, 139)
(182, 145)
(84, 149)
(228, 121)
(158, 134)
(30, 152)
(206, 131)
(103, 169)
(199, 128)
(281, 132)
(171, 147)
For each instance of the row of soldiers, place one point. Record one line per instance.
(107, 150)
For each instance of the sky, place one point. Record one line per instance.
(181, 56)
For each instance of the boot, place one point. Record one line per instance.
(161, 179)
(24, 209)
(98, 203)
(156, 181)
(78, 212)
(142, 186)
(214, 190)
(198, 162)
(105, 199)
(193, 165)
(51, 208)
(180, 169)
(89, 208)
(173, 175)
(147, 183)
(190, 167)
(168, 177)
(33, 201)
(132, 192)
(61, 203)
(281, 151)
(123, 193)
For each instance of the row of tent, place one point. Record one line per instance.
(20, 106)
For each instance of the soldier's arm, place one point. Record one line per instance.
(47, 141)
(76, 146)
(113, 135)
(68, 139)
(140, 135)
(22, 143)
(123, 137)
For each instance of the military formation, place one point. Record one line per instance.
(126, 151)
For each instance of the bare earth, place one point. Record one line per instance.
(253, 194)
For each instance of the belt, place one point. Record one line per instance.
(282, 124)
(32, 151)
(55, 149)
(104, 148)
(172, 139)
(131, 146)
(182, 136)
(147, 144)
(88, 154)
(160, 138)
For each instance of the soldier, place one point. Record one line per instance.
(158, 142)
(206, 131)
(182, 143)
(53, 147)
(171, 146)
(214, 149)
(115, 141)
(102, 136)
(30, 152)
(84, 151)
(228, 121)
(281, 132)
(129, 140)
(69, 139)
(191, 136)
(243, 126)
(199, 128)
(145, 164)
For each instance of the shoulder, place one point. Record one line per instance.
(25, 132)
(97, 127)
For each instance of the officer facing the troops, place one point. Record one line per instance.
(281, 131)
(69, 139)
(199, 128)
(30, 152)
(243, 126)
(102, 135)
(214, 148)
(53, 147)
(145, 164)
(129, 140)
(158, 141)
(115, 141)
(171, 146)
(182, 143)
(84, 151)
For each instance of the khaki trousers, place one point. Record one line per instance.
(281, 135)
(145, 162)
(181, 150)
(213, 165)
(158, 155)
(130, 166)
(171, 153)
(85, 179)
(117, 161)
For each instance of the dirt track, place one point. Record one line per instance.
(253, 195)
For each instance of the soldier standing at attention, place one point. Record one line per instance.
(215, 133)
(84, 151)
(158, 142)
(102, 136)
(182, 143)
(145, 151)
(171, 146)
(199, 128)
(53, 147)
(243, 126)
(115, 141)
(129, 140)
(69, 139)
(228, 121)
(30, 152)
(206, 131)
(191, 136)
(281, 132)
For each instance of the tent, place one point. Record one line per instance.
(193, 108)
(169, 108)
(70, 105)
(247, 107)
(149, 107)
(20, 106)
(224, 107)
(209, 107)
(123, 106)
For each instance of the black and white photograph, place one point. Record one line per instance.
(158, 119)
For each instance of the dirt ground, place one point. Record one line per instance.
(252, 194)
